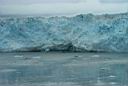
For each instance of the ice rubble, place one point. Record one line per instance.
(88, 32)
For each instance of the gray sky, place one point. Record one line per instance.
(36, 1)
(114, 1)
(30, 7)
(56, 1)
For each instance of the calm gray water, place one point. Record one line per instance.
(63, 69)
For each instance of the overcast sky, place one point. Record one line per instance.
(44, 7)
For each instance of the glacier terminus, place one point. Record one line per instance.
(84, 32)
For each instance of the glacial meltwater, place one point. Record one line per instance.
(63, 69)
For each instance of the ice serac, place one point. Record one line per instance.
(107, 33)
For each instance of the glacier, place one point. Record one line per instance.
(84, 32)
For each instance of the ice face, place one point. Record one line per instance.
(89, 32)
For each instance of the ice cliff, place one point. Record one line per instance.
(89, 32)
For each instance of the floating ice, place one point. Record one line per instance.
(95, 56)
(18, 56)
(36, 57)
(8, 70)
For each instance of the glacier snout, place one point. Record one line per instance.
(107, 33)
